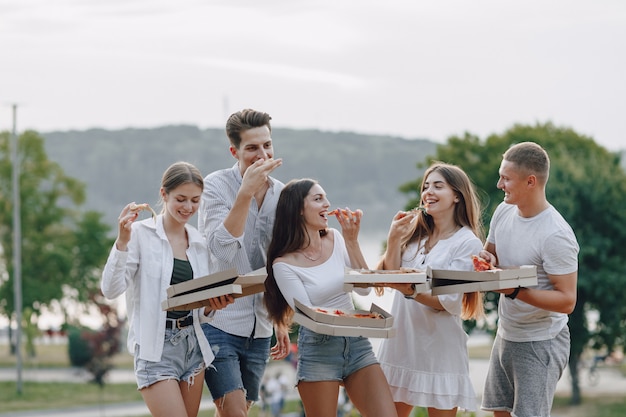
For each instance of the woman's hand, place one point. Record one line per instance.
(218, 303)
(350, 222)
(402, 225)
(125, 221)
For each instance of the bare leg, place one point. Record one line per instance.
(501, 414)
(320, 398)
(403, 409)
(165, 399)
(192, 393)
(233, 404)
(435, 412)
(369, 391)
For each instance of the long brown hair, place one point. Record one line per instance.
(288, 236)
(466, 213)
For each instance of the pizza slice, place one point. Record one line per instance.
(481, 265)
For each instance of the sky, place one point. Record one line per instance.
(413, 68)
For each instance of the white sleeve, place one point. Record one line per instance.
(290, 285)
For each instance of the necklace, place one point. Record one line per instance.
(428, 246)
(313, 259)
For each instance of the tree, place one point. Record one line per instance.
(588, 186)
(60, 247)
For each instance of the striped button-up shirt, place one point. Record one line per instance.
(247, 316)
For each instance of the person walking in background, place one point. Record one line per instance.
(306, 262)
(170, 349)
(237, 216)
(532, 344)
(427, 363)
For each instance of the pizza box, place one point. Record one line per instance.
(251, 282)
(200, 298)
(505, 273)
(447, 286)
(372, 277)
(329, 318)
(336, 330)
(203, 283)
(423, 287)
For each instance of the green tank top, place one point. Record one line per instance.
(182, 272)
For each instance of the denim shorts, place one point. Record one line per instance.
(331, 358)
(181, 359)
(239, 363)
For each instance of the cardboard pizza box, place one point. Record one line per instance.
(329, 318)
(203, 283)
(337, 330)
(371, 277)
(505, 273)
(197, 299)
(252, 282)
(447, 286)
(424, 287)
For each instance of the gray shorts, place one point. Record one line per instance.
(522, 376)
(181, 360)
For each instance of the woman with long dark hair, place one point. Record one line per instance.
(306, 262)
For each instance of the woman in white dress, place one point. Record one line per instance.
(426, 363)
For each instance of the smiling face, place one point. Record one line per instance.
(315, 208)
(182, 202)
(256, 143)
(512, 181)
(437, 195)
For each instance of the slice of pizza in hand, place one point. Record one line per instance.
(135, 208)
(482, 265)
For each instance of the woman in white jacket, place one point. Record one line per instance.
(148, 256)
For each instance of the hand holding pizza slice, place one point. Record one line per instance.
(481, 264)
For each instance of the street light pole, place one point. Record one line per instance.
(17, 249)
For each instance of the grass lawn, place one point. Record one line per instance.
(55, 356)
(41, 396)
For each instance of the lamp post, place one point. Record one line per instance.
(17, 249)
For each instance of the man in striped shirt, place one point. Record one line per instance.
(236, 216)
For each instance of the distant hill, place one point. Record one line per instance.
(356, 170)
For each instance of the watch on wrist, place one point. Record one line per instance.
(513, 294)
(412, 296)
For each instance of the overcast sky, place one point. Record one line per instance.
(414, 68)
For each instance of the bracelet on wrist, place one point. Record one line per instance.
(414, 294)
(513, 294)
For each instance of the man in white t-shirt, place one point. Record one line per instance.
(532, 344)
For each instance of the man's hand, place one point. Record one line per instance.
(255, 177)
(281, 349)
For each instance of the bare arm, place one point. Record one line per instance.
(561, 299)
(350, 226)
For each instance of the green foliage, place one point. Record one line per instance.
(78, 349)
(61, 248)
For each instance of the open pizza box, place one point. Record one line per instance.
(423, 287)
(375, 278)
(195, 293)
(347, 317)
(450, 282)
(340, 325)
